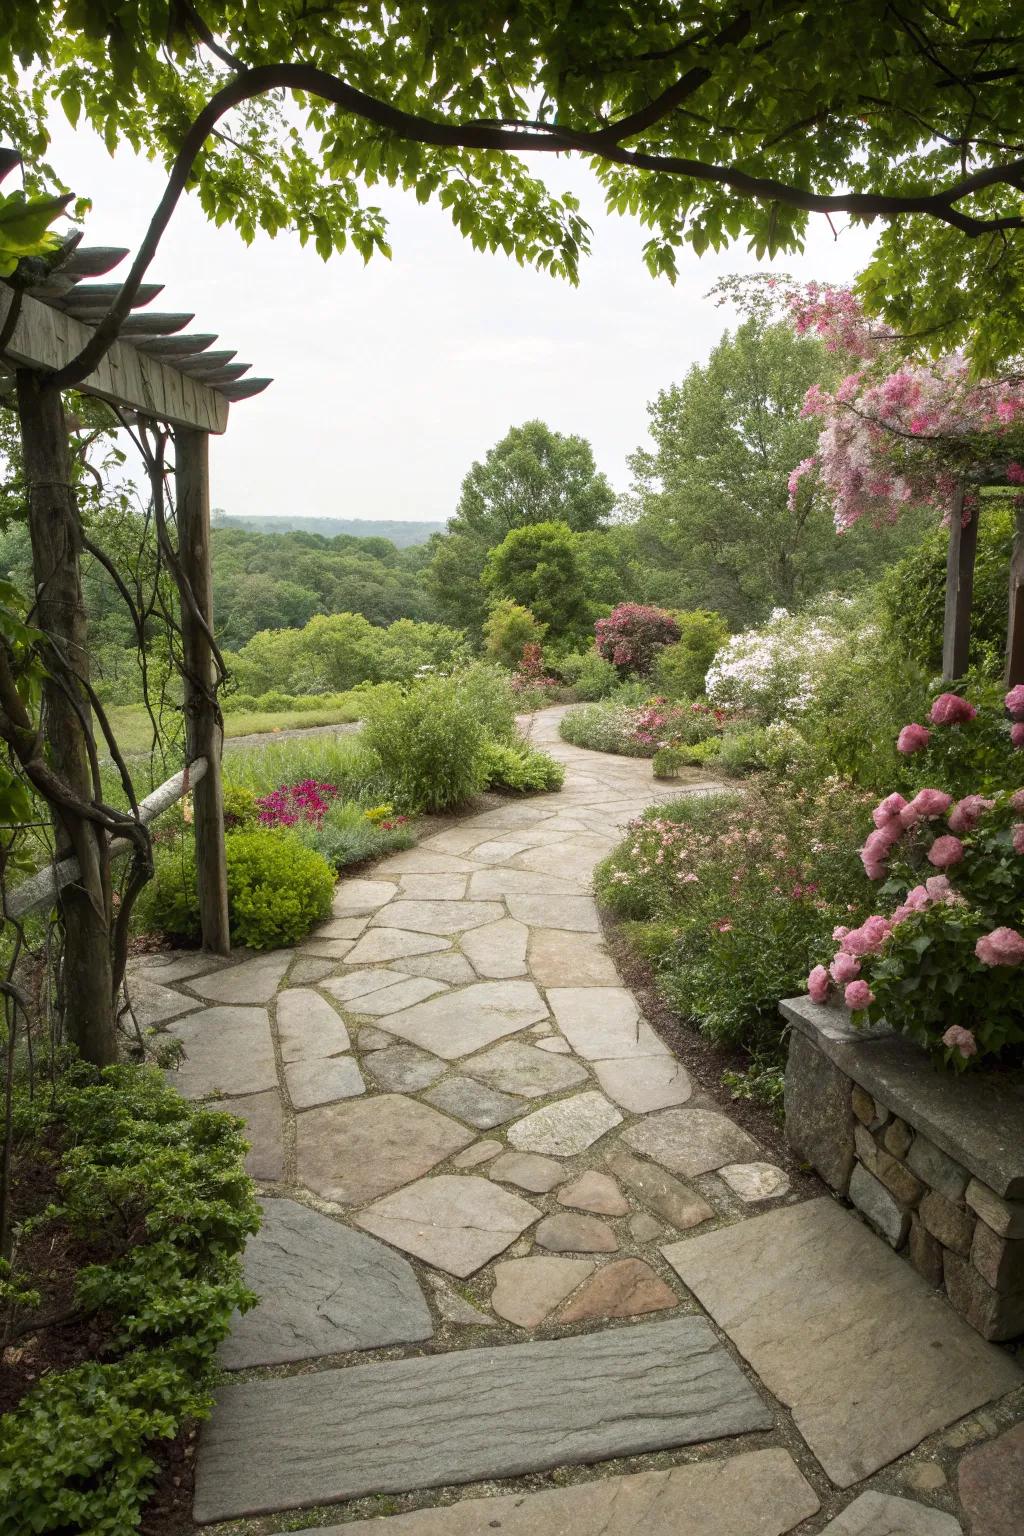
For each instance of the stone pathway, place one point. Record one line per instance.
(506, 1234)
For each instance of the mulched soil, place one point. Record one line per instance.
(706, 1062)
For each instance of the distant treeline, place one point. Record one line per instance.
(401, 533)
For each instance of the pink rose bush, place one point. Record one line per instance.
(946, 966)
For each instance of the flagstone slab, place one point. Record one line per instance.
(603, 1023)
(465, 1021)
(578, 914)
(516, 1067)
(497, 949)
(357, 898)
(253, 981)
(359, 983)
(526, 1291)
(152, 1003)
(323, 1289)
(316, 948)
(455, 1308)
(882, 1514)
(595, 1192)
(565, 1128)
(830, 1318)
(479, 1152)
(341, 928)
(370, 1038)
(575, 859)
(690, 1142)
(169, 965)
(643, 1084)
(675, 1202)
(448, 966)
(355, 1151)
(323, 1082)
(264, 1131)
(528, 1170)
(454, 1222)
(403, 1068)
(433, 887)
(623, 1288)
(556, 1045)
(473, 1102)
(308, 1027)
(571, 1232)
(438, 917)
(755, 1181)
(759, 1493)
(424, 860)
(386, 944)
(307, 971)
(990, 1482)
(499, 881)
(324, 1436)
(560, 959)
(498, 851)
(227, 1051)
(394, 999)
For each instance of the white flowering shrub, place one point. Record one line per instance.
(772, 672)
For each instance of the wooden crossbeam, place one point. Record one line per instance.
(244, 389)
(178, 346)
(100, 296)
(47, 338)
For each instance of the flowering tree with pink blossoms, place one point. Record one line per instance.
(947, 965)
(633, 634)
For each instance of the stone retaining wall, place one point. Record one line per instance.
(934, 1162)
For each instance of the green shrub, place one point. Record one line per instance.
(487, 691)
(680, 669)
(239, 703)
(348, 836)
(162, 1183)
(669, 760)
(430, 741)
(277, 890)
(274, 702)
(520, 769)
(509, 628)
(588, 675)
(241, 808)
(603, 727)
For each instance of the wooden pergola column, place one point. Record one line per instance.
(1015, 632)
(963, 548)
(203, 733)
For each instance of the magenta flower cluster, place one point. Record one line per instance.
(294, 804)
(632, 635)
(951, 709)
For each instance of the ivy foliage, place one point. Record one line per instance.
(709, 125)
(159, 1184)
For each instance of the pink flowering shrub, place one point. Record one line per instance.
(532, 674)
(965, 743)
(633, 634)
(946, 965)
(296, 804)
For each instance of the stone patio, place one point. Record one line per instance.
(507, 1233)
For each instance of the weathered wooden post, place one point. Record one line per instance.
(1015, 631)
(86, 903)
(203, 734)
(963, 547)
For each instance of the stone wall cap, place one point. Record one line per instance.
(976, 1119)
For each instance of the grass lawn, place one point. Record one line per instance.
(134, 733)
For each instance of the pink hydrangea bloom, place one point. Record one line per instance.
(877, 848)
(925, 804)
(888, 810)
(966, 814)
(839, 932)
(1017, 734)
(913, 738)
(951, 709)
(1003, 946)
(938, 888)
(858, 995)
(945, 852)
(868, 938)
(1014, 702)
(960, 1039)
(1018, 837)
(919, 898)
(877, 929)
(818, 985)
(1017, 800)
(845, 968)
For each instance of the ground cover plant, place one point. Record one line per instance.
(131, 1208)
(726, 893)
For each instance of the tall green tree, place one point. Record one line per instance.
(707, 123)
(539, 567)
(533, 475)
(714, 518)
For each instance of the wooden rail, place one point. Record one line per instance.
(44, 887)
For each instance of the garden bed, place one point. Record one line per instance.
(935, 1162)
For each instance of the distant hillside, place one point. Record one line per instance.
(401, 534)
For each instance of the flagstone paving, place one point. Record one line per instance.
(468, 1136)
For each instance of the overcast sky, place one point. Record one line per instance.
(390, 379)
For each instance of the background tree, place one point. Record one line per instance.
(712, 498)
(533, 475)
(509, 628)
(539, 567)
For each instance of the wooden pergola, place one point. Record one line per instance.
(963, 548)
(158, 372)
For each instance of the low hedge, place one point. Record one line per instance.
(157, 1186)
